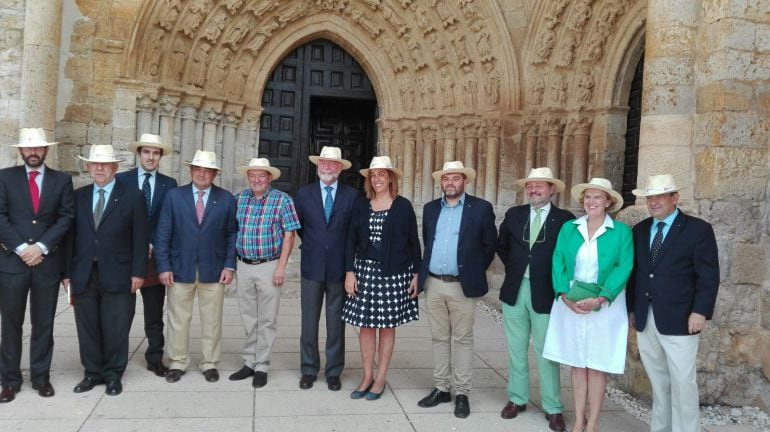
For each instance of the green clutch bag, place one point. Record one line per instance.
(583, 290)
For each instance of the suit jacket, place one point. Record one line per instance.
(515, 253)
(119, 244)
(400, 241)
(475, 244)
(323, 245)
(684, 279)
(182, 246)
(163, 184)
(18, 223)
(616, 258)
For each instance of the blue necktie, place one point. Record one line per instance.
(328, 203)
(147, 194)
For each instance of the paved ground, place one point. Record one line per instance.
(148, 403)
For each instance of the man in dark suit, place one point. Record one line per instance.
(324, 209)
(108, 245)
(194, 249)
(36, 211)
(671, 294)
(525, 245)
(154, 185)
(460, 237)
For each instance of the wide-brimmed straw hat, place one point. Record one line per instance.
(541, 174)
(150, 140)
(32, 137)
(381, 162)
(657, 185)
(334, 154)
(455, 167)
(101, 154)
(260, 164)
(204, 159)
(601, 184)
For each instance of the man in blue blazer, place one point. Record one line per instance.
(108, 250)
(194, 249)
(324, 209)
(671, 294)
(460, 237)
(154, 185)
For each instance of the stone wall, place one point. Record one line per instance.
(11, 37)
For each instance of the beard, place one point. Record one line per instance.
(453, 192)
(327, 177)
(34, 161)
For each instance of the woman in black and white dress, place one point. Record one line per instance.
(381, 261)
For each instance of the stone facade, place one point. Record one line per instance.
(503, 85)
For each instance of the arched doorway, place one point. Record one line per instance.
(633, 120)
(317, 95)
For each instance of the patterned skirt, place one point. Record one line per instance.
(382, 301)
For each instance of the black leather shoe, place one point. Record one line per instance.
(44, 390)
(334, 383)
(211, 375)
(435, 397)
(259, 380)
(462, 406)
(87, 384)
(174, 375)
(114, 388)
(158, 369)
(9, 393)
(306, 382)
(242, 374)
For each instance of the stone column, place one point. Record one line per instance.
(229, 127)
(385, 141)
(493, 154)
(581, 133)
(531, 133)
(450, 141)
(247, 139)
(212, 115)
(553, 128)
(428, 150)
(145, 106)
(471, 152)
(167, 108)
(409, 131)
(187, 147)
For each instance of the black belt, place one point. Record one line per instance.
(445, 278)
(255, 261)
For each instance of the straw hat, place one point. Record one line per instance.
(101, 154)
(260, 164)
(32, 137)
(381, 162)
(603, 185)
(204, 159)
(150, 140)
(455, 167)
(541, 174)
(657, 185)
(334, 154)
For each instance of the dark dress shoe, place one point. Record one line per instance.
(114, 388)
(211, 375)
(259, 380)
(360, 394)
(44, 390)
(334, 383)
(87, 384)
(435, 397)
(9, 393)
(306, 382)
(372, 396)
(511, 410)
(158, 369)
(462, 406)
(174, 375)
(556, 422)
(242, 374)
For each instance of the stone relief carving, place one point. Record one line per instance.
(579, 15)
(238, 31)
(439, 51)
(146, 102)
(262, 36)
(428, 132)
(544, 45)
(194, 17)
(484, 45)
(219, 69)
(292, 14)
(170, 15)
(393, 53)
(178, 58)
(559, 87)
(212, 113)
(332, 5)
(406, 89)
(168, 105)
(567, 49)
(536, 90)
(610, 11)
(415, 52)
(482, 130)
(405, 3)
(470, 87)
(233, 5)
(447, 19)
(215, 27)
(199, 63)
(262, 7)
(422, 19)
(447, 85)
(449, 128)
(461, 49)
(492, 85)
(595, 45)
(399, 26)
(585, 86)
(236, 79)
(427, 90)
(366, 23)
(151, 59)
(470, 11)
(374, 4)
(552, 126)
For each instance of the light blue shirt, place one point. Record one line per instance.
(443, 260)
(39, 178)
(205, 195)
(323, 191)
(141, 173)
(668, 221)
(107, 191)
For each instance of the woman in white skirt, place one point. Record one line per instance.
(592, 262)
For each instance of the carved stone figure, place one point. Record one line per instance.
(198, 65)
(178, 58)
(406, 3)
(395, 55)
(492, 85)
(195, 14)
(447, 19)
(262, 36)
(461, 49)
(415, 52)
(595, 45)
(579, 16)
(422, 20)
(219, 69)
(238, 31)
(168, 18)
(470, 87)
(544, 45)
(406, 89)
(398, 24)
(567, 49)
(426, 93)
(559, 87)
(439, 50)
(364, 21)
(236, 79)
(292, 14)
(536, 91)
(215, 27)
(484, 45)
(374, 4)
(447, 85)
(233, 5)
(585, 86)
(151, 59)
(470, 11)
(262, 7)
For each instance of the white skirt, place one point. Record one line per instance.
(596, 340)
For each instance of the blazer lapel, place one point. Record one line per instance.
(317, 197)
(210, 204)
(115, 196)
(465, 220)
(47, 188)
(88, 207)
(676, 229)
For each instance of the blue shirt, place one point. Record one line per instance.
(323, 191)
(443, 260)
(141, 178)
(107, 191)
(206, 195)
(668, 221)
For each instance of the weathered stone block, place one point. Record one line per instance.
(670, 42)
(735, 129)
(729, 33)
(735, 65)
(78, 113)
(724, 96)
(738, 305)
(673, 13)
(715, 10)
(668, 71)
(737, 173)
(79, 68)
(749, 265)
(665, 130)
(762, 38)
(12, 4)
(102, 114)
(764, 354)
(669, 99)
(120, 29)
(105, 67)
(765, 310)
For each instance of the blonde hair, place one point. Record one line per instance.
(392, 184)
(610, 198)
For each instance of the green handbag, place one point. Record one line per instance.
(583, 290)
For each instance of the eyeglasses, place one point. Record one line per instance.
(540, 236)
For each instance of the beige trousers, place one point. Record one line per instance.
(258, 300)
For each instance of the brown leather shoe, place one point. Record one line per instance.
(44, 390)
(9, 393)
(556, 422)
(511, 410)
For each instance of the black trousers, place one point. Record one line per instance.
(153, 298)
(103, 321)
(311, 299)
(43, 292)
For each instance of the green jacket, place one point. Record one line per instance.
(616, 258)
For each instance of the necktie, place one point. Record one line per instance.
(534, 228)
(147, 194)
(199, 207)
(34, 191)
(328, 203)
(657, 242)
(99, 210)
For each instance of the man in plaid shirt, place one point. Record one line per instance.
(267, 223)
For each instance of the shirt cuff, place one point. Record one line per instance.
(231, 269)
(42, 248)
(20, 248)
